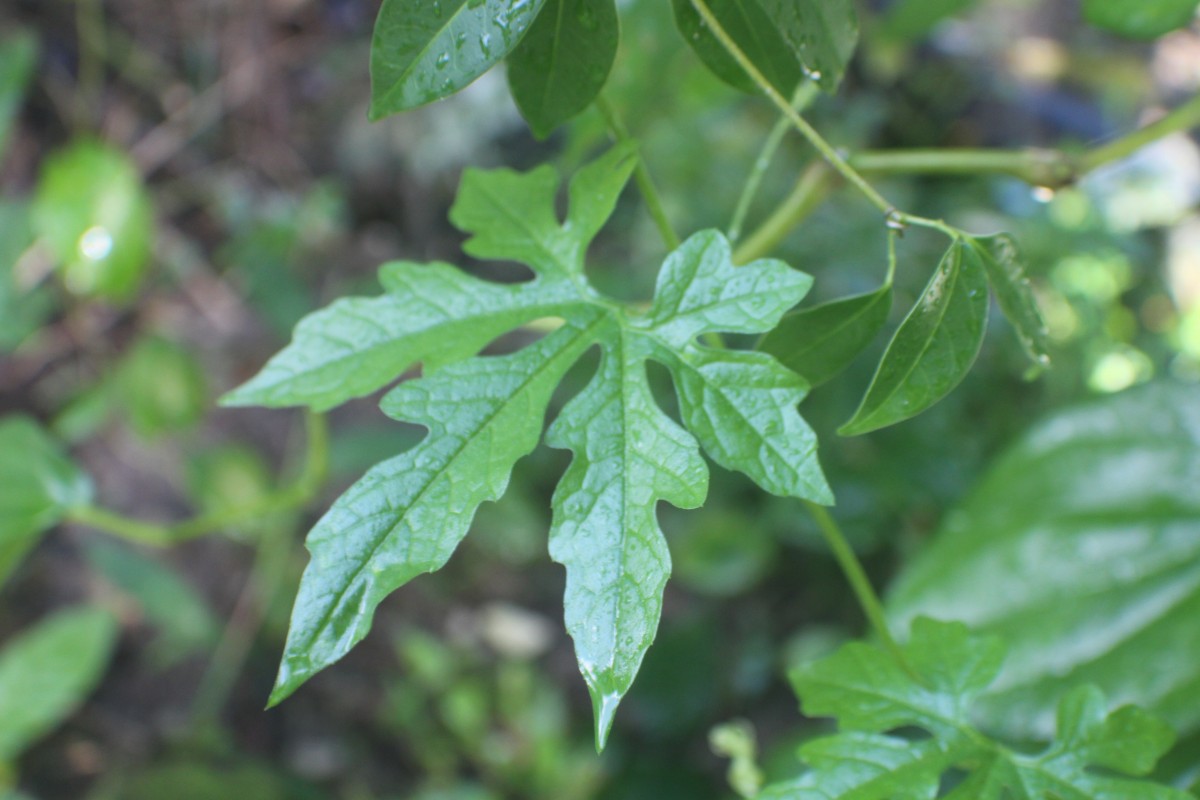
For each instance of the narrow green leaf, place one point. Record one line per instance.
(753, 31)
(431, 313)
(820, 342)
(95, 215)
(822, 34)
(628, 455)
(1140, 19)
(39, 484)
(561, 65)
(1006, 272)
(1081, 549)
(932, 350)
(46, 673)
(424, 50)
(407, 515)
(18, 56)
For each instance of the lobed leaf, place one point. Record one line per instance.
(820, 342)
(561, 65)
(48, 671)
(934, 347)
(1080, 548)
(424, 50)
(1140, 19)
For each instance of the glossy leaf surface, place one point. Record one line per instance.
(93, 212)
(1140, 19)
(1005, 270)
(821, 341)
(934, 347)
(755, 34)
(1081, 547)
(407, 515)
(48, 671)
(38, 485)
(424, 50)
(822, 34)
(561, 65)
(1096, 756)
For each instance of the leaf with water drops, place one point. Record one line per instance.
(1005, 270)
(424, 50)
(1140, 19)
(753, 31)
(561, 65)
(407, 515)
(934, 347)
(822, 34)
(1097, 755)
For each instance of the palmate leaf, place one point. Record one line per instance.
(407, 515)
(873, 695)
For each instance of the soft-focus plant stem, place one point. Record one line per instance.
(296, 494)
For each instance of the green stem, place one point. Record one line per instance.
(641, 175)
(296, 494)
(805, 93)
(1049, 168)
(810, 191)
(1185, 117)
(857, 577)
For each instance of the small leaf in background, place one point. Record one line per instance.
(162, 387)
(46, 672)
(909, 20)
(39, 484)
(18, 56)
(872, 694)
(1081, 548)
(227, 479)
(21, 310)
(1140, 19)
(756, 35)
(561, 65)
(94, 214)
(186, 625)
(1006, 273)
(934, 347)
(822, 34)
(424, 50)
(818, 343)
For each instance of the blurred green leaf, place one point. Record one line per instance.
(162, 387)
(200, 781)
(18, 56)
(39, 484)
(911, 19)
(94, 214)
(722, 553)
(45, 673)
(755, 33)
(21, 312)
(228, 478)
(1140, 19)
(424, 50)
(561, 65)
(934, 347)
(819, 342)
(1081, 548)
(1006, 273)
(185, 622)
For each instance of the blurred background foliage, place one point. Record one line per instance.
(182, 181)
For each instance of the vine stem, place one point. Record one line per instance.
(859, 583)
(296, 494)
(641, 175)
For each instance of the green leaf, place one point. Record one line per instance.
(561, 65)
(945, 669)
(753, 31)
(1080, 548)
(46, 673)
(1140, 19)
(424, 50)
(909, 20)
(18, 56)
(1006, 273)
(820, 342)
(407, 515)
(822, 34)
(21, 311)
(934, 347)
(628, 456)
(94, 214)
(38, 486)
(161, 387)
